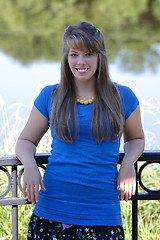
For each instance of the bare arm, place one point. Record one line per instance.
(26, 144)
(134, 147)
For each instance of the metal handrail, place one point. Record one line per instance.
(14, 181)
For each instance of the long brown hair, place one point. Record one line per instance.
(107, 118)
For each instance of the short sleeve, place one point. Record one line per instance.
(43, 101)
(129, 100)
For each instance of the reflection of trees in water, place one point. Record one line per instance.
(139, 58)
(32, 30)
(150, 114)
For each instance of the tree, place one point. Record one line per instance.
(32, 30)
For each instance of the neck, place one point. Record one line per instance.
(85, 91)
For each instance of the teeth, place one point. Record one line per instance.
(82, 70)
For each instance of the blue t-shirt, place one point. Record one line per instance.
(81, 177)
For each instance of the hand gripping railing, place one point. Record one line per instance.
(14, 181)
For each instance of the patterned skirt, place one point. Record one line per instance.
(44, 229)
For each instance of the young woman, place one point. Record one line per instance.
(87, 114)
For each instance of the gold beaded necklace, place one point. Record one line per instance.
(81, 101)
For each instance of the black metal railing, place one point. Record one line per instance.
(14, 181)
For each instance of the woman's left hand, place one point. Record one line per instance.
(126, 181)
(134, 145)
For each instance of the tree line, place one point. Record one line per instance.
(32, 30)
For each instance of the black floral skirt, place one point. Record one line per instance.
(43, 229)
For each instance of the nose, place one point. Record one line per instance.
(81, 60)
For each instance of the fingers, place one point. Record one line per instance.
(36, 193)
(126, 182)
(42, 185)
(32, 188)
(30, 193)
(130, 190)
(33, 193)
(134, 187)
(127, 189)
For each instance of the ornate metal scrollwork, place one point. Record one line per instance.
(140, 180)
(6, 191)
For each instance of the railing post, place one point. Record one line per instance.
(135, 211)
(14, 207)
(134, 220)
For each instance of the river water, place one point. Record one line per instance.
(19, 85)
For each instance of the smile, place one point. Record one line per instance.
(81, 70)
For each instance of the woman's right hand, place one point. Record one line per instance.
(31, 180)
(35, 128)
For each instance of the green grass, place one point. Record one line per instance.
(148, 211)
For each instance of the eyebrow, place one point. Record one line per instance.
(75, 50)
(72, 50)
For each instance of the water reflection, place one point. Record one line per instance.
(21, 84)
(32, 31)
(31, 42)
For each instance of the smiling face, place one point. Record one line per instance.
(83, 64)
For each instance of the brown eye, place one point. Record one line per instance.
(89, 54)
(73, 55)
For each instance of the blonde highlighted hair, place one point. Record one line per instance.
(107, 118)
